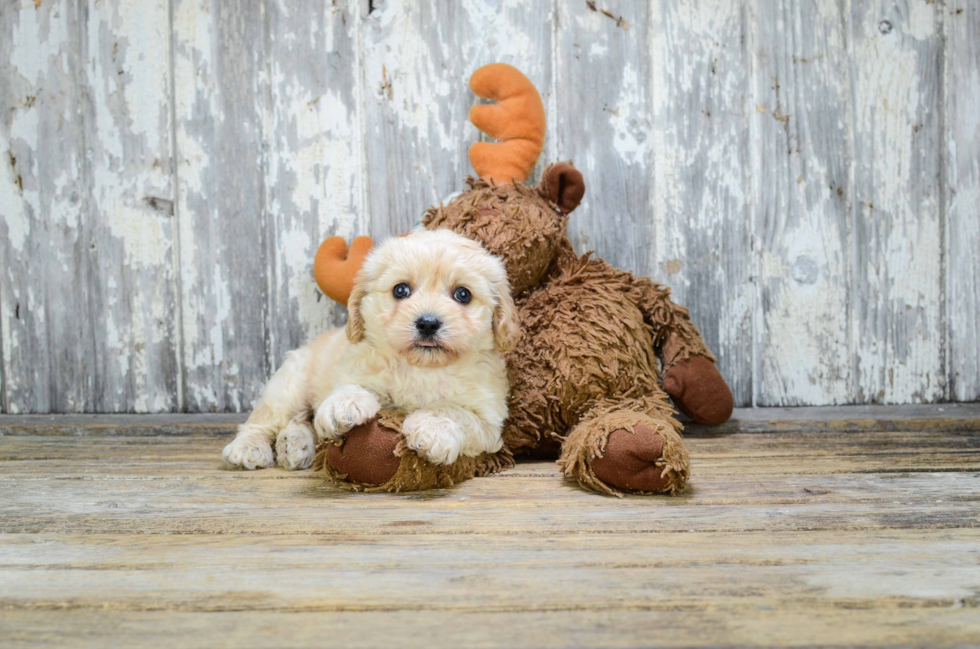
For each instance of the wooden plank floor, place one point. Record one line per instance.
(848, 527)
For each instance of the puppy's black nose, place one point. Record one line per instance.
(427, 325)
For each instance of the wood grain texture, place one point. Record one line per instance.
(804, 175)
(87, 292)
(43, 195)
(432, 573)
(131, 290)
(701, 92)
(417, 59)
(604, 124)
(956, 417)
(896, 279)
(312, 147)
(225, 241)
(783, 626)
(801, 189)
(961, 193)
(848, 539)
(54, 463)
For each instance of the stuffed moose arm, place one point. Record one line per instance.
(690, 376)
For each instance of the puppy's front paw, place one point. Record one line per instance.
(345, 408)
(295, 447)
(432, 436)
(248, 453)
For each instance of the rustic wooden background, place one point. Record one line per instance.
(804, 173)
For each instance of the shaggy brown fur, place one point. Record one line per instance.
(412, 473)
(586, 366)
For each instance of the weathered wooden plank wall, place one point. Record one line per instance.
(799, 139)
(804, 174)
(897, 69)
(961, 199)
(702, 231)
(85, 196)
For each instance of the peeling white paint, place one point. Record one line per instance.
(631, 120)
(16, 224)
(698, 171)
(35, 44)
(897, 196)
(803, 348)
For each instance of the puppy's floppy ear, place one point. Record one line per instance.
(506, 327)
(355, 321)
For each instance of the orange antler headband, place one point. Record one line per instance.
(516, 121)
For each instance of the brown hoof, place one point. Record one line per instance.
(699, 391)
(629, 460)
(367, 455)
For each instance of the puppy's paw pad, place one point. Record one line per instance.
(348, 407)
(248, 453)
(295, 448)
(433, 437)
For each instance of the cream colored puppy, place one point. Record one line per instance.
(428, 321)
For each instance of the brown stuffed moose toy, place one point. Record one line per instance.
(586, 374)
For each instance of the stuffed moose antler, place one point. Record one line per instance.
(585, 377)
(516, 122)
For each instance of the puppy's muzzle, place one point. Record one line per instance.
(427, 326)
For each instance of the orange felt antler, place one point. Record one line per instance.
(516, 121)
(335, 267)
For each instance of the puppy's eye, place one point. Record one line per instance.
(401, 291)
(462, 295)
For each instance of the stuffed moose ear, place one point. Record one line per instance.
(563, 185)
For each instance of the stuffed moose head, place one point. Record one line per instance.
(585, 383)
